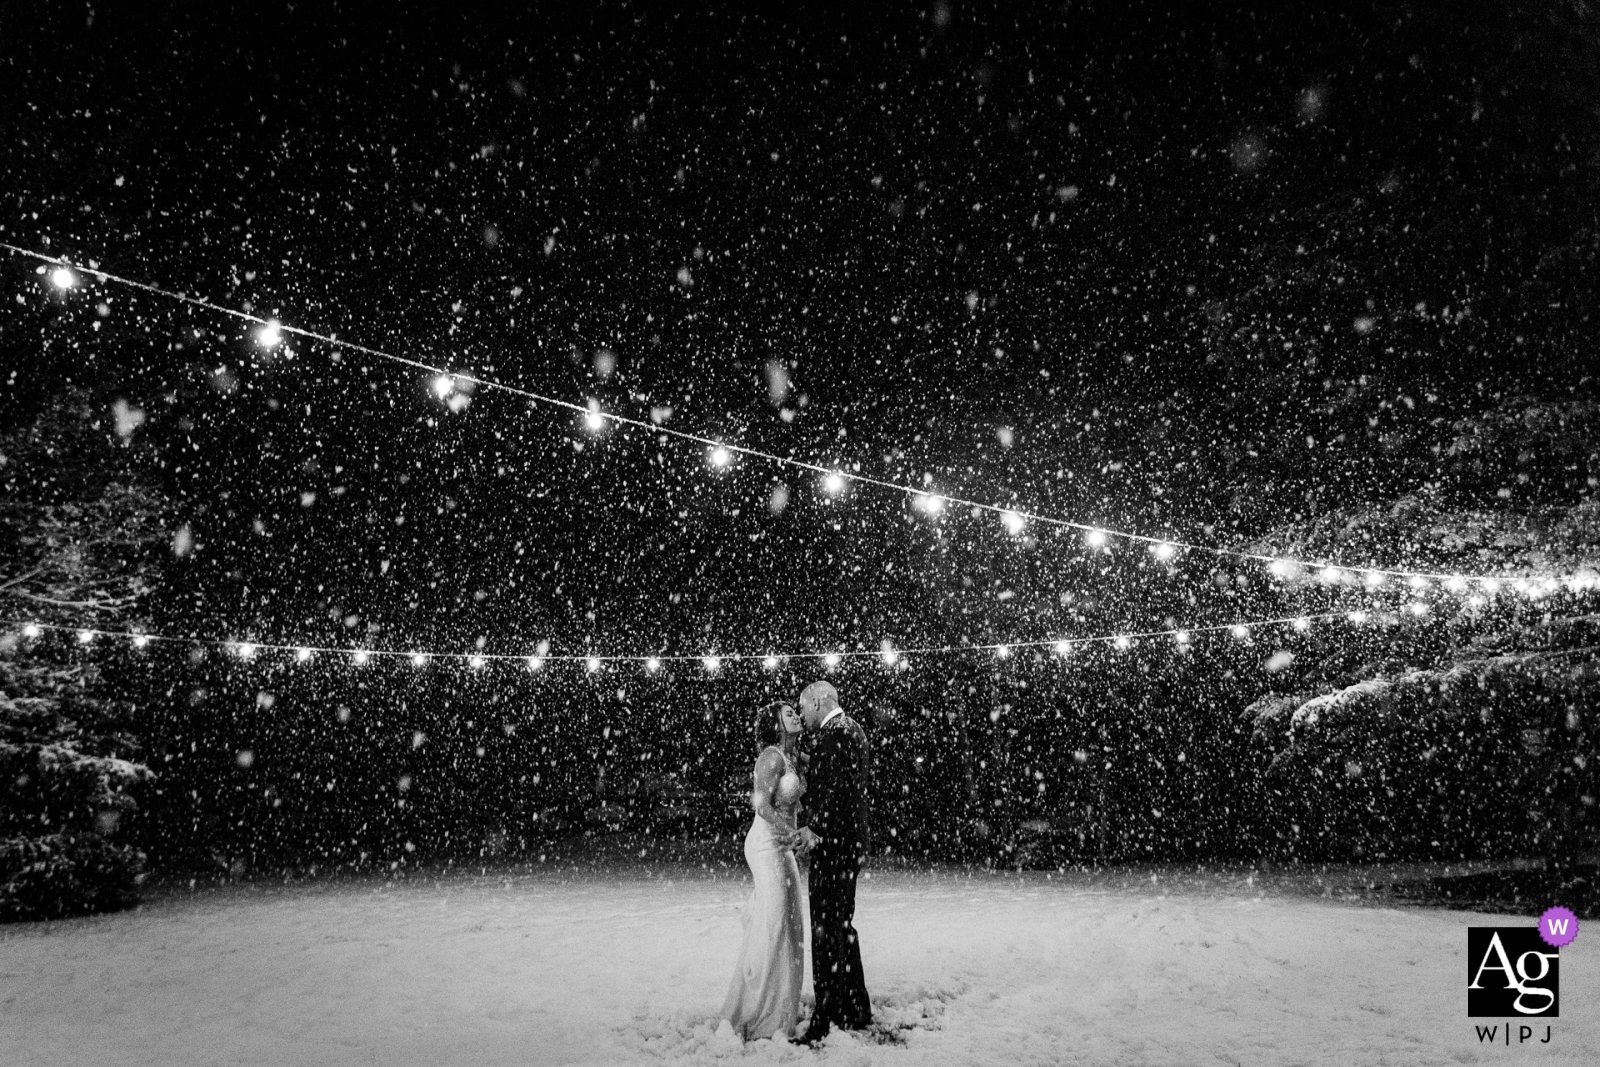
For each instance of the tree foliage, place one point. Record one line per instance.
(78, 526)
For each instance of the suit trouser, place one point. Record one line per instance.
(840, 986)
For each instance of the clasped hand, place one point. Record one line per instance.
(803, 840)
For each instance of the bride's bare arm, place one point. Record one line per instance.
(769, 768)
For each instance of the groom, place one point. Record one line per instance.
(836, 841)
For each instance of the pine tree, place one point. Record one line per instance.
(78, 526)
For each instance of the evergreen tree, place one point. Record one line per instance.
(78, 527)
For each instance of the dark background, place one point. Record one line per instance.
(1219, 275)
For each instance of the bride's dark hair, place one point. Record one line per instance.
(769, 728)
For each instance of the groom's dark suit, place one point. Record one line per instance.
(836, 794)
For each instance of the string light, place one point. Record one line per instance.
(1490, 586)
(721, 457)
(833, 483)
(1163, 550)
(63, 276)
(442, 385)
(928, 502)
(1332, 575)
(890, 655)
(270, 335)
(1417, 607)
(1373, 579)
(1014, 522)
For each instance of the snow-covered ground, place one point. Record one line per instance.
(627, 968)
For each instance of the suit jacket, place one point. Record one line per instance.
(837, 788)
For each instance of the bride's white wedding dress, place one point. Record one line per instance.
(764, 996)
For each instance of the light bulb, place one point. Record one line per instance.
(1003, 652)
(1096, 538)
(592, 663)
(245, 649)
(270, 334)
(1123, 642)
(770, 663)
(1374, 579)
(1358, 617)
(1063, 648)
(1302, 624)
(712, 663)
(85, 636)
(442, 385)
(1164, 550)
(721, 457)
(1015, 523)
(831, 660)
(834, 483)
(63, 279)
(1240, 631)
(31, 630)
(475, 662)
(534, 663)
(141, 640)
(302, 654)
(1331, 574)
(361, 657)
(418, 659)
(1182, 637)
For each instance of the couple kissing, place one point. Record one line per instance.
(764, 995)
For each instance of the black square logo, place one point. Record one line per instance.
(1511, 972)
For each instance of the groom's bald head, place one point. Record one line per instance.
(816, 701)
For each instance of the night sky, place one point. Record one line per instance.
(1183, 275)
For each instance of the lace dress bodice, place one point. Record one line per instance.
(786, 794)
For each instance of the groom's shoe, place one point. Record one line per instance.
(813, 1035)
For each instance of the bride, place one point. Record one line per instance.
(764, 996)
